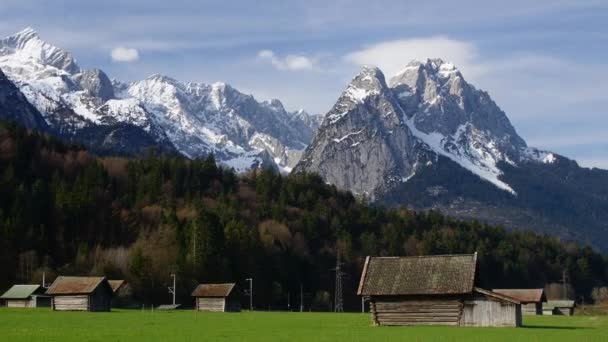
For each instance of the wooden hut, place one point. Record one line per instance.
(26, 296)
(559, 307)
(531, 299)
(81, 294)
(217, 297)
(433, 290)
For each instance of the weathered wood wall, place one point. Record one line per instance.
(211, 304)
(415, 311)
(19, 303)
(71, 303)
(482, 312)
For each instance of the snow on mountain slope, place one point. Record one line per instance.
(196, 118)
(457, 120)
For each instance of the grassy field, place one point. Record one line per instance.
(186, 325)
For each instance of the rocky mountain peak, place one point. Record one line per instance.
(27, 45)
(96, 83)
(25, 35)
(275, 104)
(160, 78)
(370, 78)
(369, 84)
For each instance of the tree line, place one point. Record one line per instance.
(65, 211)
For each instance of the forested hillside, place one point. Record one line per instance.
(65, 211)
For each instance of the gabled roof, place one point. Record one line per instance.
(76, 285)
(20, 291)
(420, 275)
(116, 284)
(213, 290)
(497, 296)
(525, 296)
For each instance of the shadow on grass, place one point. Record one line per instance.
(553, 327)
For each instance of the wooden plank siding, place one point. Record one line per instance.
(211, 304)
(98, 301)
(392, 311)
(71, 303)
(489, 313)
(19, 303)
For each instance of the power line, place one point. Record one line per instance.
(339, 292)
(250, 293)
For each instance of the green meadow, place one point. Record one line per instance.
(188, 325)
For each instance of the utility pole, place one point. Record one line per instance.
(195, 233)
(338, 295)
(172, 289)
(250, 280)
(301, 298)
(564, 284)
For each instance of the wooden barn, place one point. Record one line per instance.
(531, 299)
(559, 307)
(26, 296)
(217, 298)
(81, 294)
(433, 290)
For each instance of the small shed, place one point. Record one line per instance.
(433, 290)
(81, 294)
(217, 298)
(531, 299)
(559, 307)
(26, 296)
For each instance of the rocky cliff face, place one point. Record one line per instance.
(364, 144)
(194, 119)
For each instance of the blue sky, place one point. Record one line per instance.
(543, 62)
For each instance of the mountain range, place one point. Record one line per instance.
(426, 138)
(193, 119)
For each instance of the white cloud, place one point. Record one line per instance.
(289, 62)
(123, 54)
(392, 56)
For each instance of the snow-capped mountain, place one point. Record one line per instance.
(427, 139)
(193, 118)
(380, 134)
